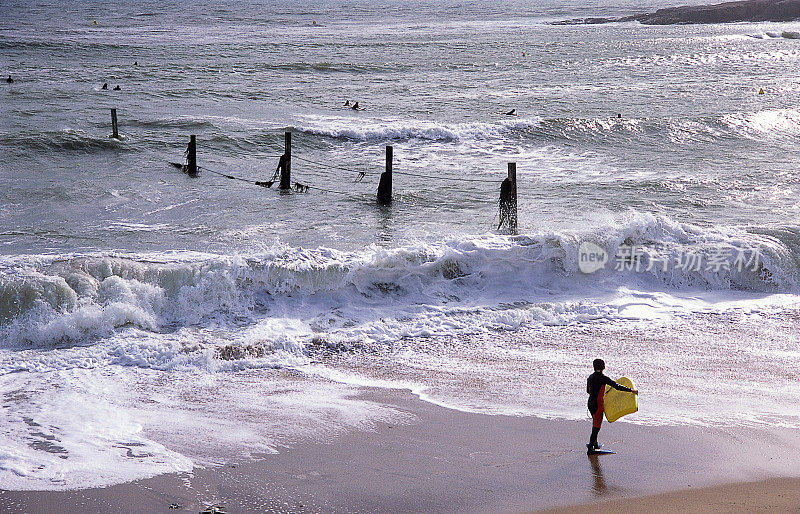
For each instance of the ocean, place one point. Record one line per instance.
(152, 322)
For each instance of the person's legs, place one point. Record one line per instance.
(593, 438)
(597, 420)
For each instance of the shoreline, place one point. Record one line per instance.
(452, 461)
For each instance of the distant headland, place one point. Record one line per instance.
(727, 12)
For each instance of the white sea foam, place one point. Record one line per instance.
(786, 34)
(381, 130)
(341, 293)
(92, 427)
(701, 59)
(775, 124)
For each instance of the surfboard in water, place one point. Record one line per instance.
(619, 403)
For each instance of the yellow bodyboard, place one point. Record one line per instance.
(619, 403)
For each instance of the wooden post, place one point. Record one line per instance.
(385, 184)
(512, 176)
(191, 156)
(114, 131)
(286, 170)
(508, 200)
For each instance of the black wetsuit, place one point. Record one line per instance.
(595, 386)
(595, 383)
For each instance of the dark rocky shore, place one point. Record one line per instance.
(727, 12)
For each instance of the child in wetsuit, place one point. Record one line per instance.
(596, 387)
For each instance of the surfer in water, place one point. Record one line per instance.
(596, 387)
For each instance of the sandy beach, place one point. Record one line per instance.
(450, 461)
(775, 495)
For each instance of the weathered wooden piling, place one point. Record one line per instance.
(508, 200)
(286, 168)
(191, 157)
(512, 176)
(114, 131)
(385, 184)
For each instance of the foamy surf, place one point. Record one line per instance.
(47, 301)
(369, 129)
(97, 426)
(769, 124)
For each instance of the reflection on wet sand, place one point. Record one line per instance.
(599, 487)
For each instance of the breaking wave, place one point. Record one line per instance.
(347, 128)
(759, 125)
(786, 34)
(59, 140)
(472, 283)
(767, 125)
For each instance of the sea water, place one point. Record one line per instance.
(152, 322)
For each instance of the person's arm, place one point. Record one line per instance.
(620, 387)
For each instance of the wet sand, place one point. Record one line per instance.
(451, 461)
(775, 495)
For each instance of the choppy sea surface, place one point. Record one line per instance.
(140, 307)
